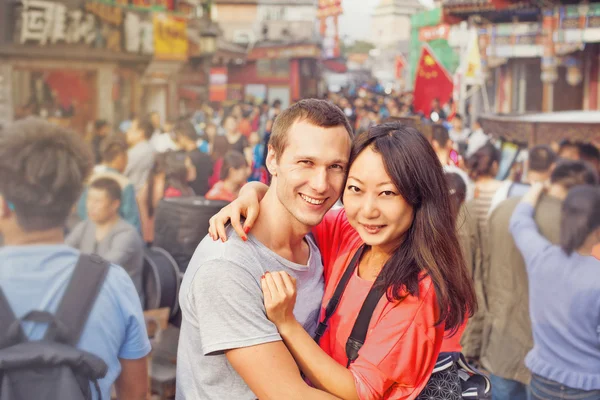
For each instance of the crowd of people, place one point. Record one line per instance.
(335, 208)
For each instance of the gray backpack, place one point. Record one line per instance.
(53, 368)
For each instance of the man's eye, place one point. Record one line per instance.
(306, 162)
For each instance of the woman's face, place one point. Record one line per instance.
(374, 205)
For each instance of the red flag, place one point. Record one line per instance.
(400, 64)
(432, 81)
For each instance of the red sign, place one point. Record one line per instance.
(400, 64)
(429, 33)
(432, 81)
(218, 84)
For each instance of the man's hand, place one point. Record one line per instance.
(246, 205)
(533, 195)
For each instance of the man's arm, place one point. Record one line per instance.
(271, 372)
(132, 383)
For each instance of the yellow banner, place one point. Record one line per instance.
(170, 38)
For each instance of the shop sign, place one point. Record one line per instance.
(429, 33)
(329, 8)
(218, 84)
(516, 40)
(98, 26)
(170, 38)
(300, 51)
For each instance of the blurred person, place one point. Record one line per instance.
(569, 150)
(507, 322)
(477, 138)
(564, 296)
(114, 162)
(590, 153)
(236, 140)
(140, 156)
(234, 173)
(164, 140)
(220, 148)
(179, 173)
(101, 131)
(151, 194)
(245, 125)
(483, 166)
(448, 157)
(541, 159)
(154, 118)
(258, 169)
(42, 170)
(106, 234)
(187, 141)
(436, 114)
(459, 134)
(207, 139)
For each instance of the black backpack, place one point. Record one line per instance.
(452, 377)
(53, 368)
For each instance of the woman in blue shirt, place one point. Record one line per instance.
(564, 296)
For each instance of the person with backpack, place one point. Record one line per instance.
(71, 325)
(393, 268)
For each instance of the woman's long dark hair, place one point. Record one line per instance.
(176, 172)
(157, 168)
(580, 217)
(431, 244)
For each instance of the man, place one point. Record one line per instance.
(101, 132)
(114, 162)
(509, 336)
(459, 134)
(443, 147)
(106, 234)
(140, 156)
(228, 349)
(540, 162)
(187, 140)
(569, 151)
(42, 169)
(477, 138)
(163, 141)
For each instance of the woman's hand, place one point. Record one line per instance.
(246, 205)
(279, 290)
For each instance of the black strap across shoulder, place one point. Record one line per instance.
(361, 325)
(73, 311)
(337, 295)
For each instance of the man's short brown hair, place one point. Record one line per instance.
(42, 170)
(317, 112)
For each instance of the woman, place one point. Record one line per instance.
(564, 296)
(219, 149)
(397, 221)
(234, 173)
(164, 180)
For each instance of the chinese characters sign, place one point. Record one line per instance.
(99, 26)
(170, 38)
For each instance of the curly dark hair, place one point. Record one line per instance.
(42, 172)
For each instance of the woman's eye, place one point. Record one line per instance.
(388, 193)
(353, 188)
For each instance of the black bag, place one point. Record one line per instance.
(452, 377)
(53, 368)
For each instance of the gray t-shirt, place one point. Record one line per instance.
(222, 305)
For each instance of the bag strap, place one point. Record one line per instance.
(337, 295)
(80, 295)
(8, 319)
(361, 325)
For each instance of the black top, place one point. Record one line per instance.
(204, 170)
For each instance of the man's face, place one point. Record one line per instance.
(134, 133)
(457, 124)
(309, 176)
(100, 207)
(104, 131)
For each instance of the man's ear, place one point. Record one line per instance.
(271, 161)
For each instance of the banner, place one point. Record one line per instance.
(432, 81)
(400, 64)
(218, 84)
(473, 62)
(170, 38)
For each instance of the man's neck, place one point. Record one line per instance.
(102, 229)
(49, 237)
(557, 191)
(280, 231)
(536, 177)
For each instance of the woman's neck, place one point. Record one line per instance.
(372, 262)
